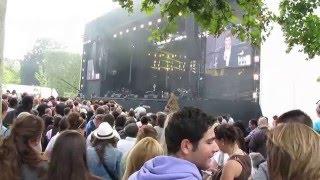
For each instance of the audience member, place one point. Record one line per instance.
(69, 159)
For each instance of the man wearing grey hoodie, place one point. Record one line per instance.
(190, 143)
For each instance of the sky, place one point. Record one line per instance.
(61, 20)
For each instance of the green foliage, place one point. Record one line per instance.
(58, 67)
(32, 60)
(10, 75)
(247, 19)
(300, 25)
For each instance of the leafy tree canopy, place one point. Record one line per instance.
(248, 19)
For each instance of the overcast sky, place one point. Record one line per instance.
(61, 20)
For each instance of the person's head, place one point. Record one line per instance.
(226, 137)
(161, 118)
(26, 104)
(59, 109)
(120, 121)
(263, 122)
(22, 146)
(297, 116)
(131, 113)
(64, 124)
(68, 159)
(66, 111)
(48, 120)
(293, 151)
(13, 102)
(146, 131)
(56, 121)
(115, 114)
(131, 130)
(4, 108)
(144, 150)
(104, 135)
(253, 123)
(144, 120)
(48, 111)
(76, 122)
(109, 118)
(42, 109)
(219, 119)
(190, 136)
(100, 110)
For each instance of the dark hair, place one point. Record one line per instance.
(254, 122)
(89, 115)
(131, 113)
(75, 121)
(56, 121)
(115, 114)
(75, 103)
(109, 119)
(48, 120)
(219, 119)
(13, 102)
(129, 121)
(60, 109)
(100, 110)
(15, 149)
(226, 132)
(144, 120)
(26, 104)
(64, 124)
(69, 160)
(240, 139)
(295, 116)
(188, 123)
(131, 130)
(161, 118)
(42, 109)
(240, 125)
(147, 131)
(4, 106)
(121, 121)
(66, 110)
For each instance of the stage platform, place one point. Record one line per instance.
(239, 110)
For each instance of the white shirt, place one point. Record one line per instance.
(51, 144)
(125, 145)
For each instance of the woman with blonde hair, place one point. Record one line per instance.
(293, 150)
(144, 150)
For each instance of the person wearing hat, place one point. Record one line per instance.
(103, 156)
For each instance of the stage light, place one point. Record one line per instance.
(142, 26)
(255, 77)
(120, 33)
(150, 23)
(254, 95)
(159, 20)
(115, 35)
(134, 28)
(256, 59)
(127, 30)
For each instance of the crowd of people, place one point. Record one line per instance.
(74, 139)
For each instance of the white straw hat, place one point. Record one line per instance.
(104, 131)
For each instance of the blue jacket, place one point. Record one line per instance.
(167, 168)
(90, 127)
(112, 159)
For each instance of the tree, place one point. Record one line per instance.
(3, 6)
(247, 19)
(33, 59)
(60, 70)
(10, 75)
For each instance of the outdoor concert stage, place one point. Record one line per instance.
(221, 73)
(239, 110)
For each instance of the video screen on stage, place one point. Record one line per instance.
(226, 51)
